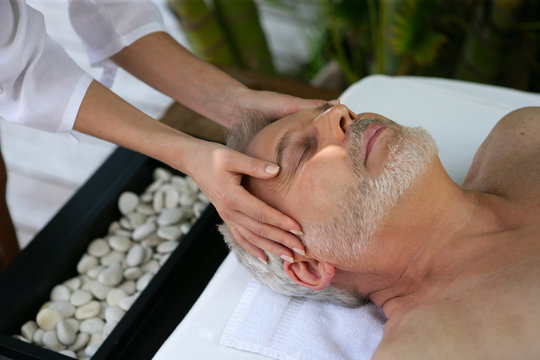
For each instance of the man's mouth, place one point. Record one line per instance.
(371, 135)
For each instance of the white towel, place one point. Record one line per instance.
(286, 328)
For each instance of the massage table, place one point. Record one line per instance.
(458, 114)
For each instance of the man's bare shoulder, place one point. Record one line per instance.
(485, 317)
(507, 161)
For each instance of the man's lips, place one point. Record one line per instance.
(370, 137)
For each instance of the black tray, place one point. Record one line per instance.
(52, 257)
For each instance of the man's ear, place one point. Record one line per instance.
(311, 273)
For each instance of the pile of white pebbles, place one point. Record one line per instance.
(116, 268)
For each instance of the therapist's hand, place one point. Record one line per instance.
(255, 225)
(271, 105)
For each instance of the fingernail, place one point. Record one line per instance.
(299, 251)
(287, 258)
(271, 169)
(334, 102)
(263, 260)
(297, 232)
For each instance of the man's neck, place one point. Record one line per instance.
(413, 257)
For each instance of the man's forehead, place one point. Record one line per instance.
(263, 144)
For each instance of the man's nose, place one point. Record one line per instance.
(334, 123)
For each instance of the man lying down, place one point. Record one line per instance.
(456, 269)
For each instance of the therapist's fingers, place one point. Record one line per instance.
(248, 246)
(269, 238)
(266, 244)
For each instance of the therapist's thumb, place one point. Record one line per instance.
(257, 168)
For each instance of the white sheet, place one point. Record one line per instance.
(459, 115)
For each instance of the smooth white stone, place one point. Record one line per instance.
(135, 255)
(96, 339)
(88, 311)
(157, 202)
(99, 290)
(80, 341)
(65, 308)
(98, 248)
(51, 341)
(171, 198)
(143, 281)
(147, 198)
(184, 228)
(198, 208)
(115, 226)
(164, 259)
(186, 199)
(94, 272)
(114, 257)
(60, 293)
(112, 275)
(29, 329)
(65, 333)
(123, 232)
(74, 323)
(108, 328)
(167, 247)
(170, 216)
(92, 326)
(86, 282)
(80, 297)
(127, 202)
(171, 233)
(48, 318)
(151, 266)
(152, 240)
(145, 209)
(73, 283)
(154, 186)
(68, 353)
(143, 231)
(203, 198)
(38, 336)
(20, 337)
(136, 219)
(128, 286)
(192, 185)
(120, 243)
(148, 252)
(132, 273)
(178, 181)
(126, 302)
(86, 263)
(114, 296)
(188, 212)
(114, 314)
(162, 174)
(126, 224)
(104, 306)
(90, 350)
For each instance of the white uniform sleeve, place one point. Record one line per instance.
(107, 26)
(40, 85)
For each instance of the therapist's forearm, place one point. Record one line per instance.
(105, 115)
(158, 60)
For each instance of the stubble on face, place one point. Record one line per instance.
(345, 237)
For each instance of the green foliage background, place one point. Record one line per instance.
(488, 41)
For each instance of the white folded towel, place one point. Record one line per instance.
(286, 328)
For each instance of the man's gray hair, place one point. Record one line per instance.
(272, 274)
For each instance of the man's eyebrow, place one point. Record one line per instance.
(282, 145)
(285, 140)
